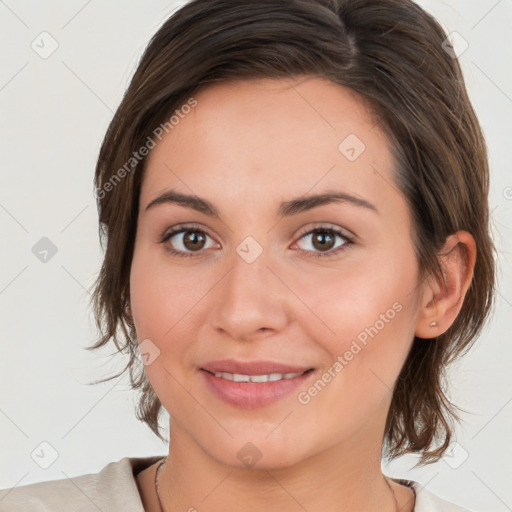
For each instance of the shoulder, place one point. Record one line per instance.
(427, 501)
(113, 488)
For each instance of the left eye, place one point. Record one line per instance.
(323, 240)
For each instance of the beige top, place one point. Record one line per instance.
(114, 488)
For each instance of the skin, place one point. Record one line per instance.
(246, 147)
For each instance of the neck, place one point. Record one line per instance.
(343, 478)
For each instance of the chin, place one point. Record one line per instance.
(257, 453)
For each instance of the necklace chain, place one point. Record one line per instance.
(156, 483)
(165, 459)
(393, 493)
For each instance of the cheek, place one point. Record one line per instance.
(160, 293)
(366, 312)
(370, 331)
(165, 303)
(159, 306)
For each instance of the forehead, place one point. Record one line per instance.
(268, 138)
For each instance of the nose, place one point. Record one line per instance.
(251, 300)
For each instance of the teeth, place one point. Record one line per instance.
(238, 377)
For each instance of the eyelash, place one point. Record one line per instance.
(322, 229)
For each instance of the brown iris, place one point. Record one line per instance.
(193, 240)
(324, 238)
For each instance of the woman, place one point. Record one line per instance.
(293, 196)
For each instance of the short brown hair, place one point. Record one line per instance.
(391, 53)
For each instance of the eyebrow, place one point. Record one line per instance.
(287, 208)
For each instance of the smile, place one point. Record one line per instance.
(271, 377)
(252, 391)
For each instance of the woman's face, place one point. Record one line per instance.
(254, 282)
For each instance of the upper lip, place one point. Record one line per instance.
(252, 367)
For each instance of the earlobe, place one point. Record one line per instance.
(442, 302)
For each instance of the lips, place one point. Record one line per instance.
(252, 367)
(240, 384)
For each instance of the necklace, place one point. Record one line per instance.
(156, 483)
(165, 459)
(392, 492)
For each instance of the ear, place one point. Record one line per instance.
(441, 303)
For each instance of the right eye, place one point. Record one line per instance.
(185, 241)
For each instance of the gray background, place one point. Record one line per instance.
(54, 113)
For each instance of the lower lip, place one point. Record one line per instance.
(250, 395)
